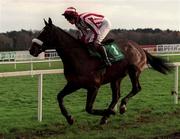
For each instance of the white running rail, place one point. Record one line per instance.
(40, 74)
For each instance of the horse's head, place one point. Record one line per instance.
(44, 41)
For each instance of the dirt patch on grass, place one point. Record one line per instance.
(44, 132)
(33, 135)
(175, 135)
(145, 116)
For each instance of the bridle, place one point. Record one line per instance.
(39, 44)
(37, 41)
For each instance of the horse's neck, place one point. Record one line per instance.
(66, 39)
(70, 51)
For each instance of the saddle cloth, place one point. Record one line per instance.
(113, 51)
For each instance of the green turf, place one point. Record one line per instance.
(150, 113)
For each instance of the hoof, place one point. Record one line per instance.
(103, 121)
(123, 109)
(70, 120)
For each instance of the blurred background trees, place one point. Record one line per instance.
(21, 40)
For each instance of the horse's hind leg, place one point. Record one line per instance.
(68, 89)
(91, 96)
(134, 76)
(115, 87)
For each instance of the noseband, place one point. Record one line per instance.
(37, 41)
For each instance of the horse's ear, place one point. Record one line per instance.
(45, 22)
(50, 21)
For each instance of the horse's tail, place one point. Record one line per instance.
(158, 63)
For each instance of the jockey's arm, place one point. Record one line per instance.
(94, 28)
(81, 35)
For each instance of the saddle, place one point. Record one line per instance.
(113, 51)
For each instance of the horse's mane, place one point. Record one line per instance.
(75, 46)
(71, 36)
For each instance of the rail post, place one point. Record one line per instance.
(31, 68)
(49, 62)
(176, 85)
(40, 90)
(15, 64)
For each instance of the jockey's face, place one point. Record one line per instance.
(71, 18)
(72, 21)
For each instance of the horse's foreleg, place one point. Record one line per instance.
(134, 76)
(115, 87)
(68, 89)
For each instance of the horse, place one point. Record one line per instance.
(82, 70)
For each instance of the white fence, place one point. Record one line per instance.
(40, 74)
(24, 55)
(18, 55)
(49, 61)
(168, 48)
(31, 62)
(51, 54)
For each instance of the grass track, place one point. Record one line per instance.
(150, 113)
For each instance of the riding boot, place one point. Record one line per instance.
(103, 53)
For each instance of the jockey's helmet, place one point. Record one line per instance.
(70, 13)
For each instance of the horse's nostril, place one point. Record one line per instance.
(30, 52)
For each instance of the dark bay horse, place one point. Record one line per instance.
(80, 69)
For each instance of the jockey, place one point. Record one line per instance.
(93, 28)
